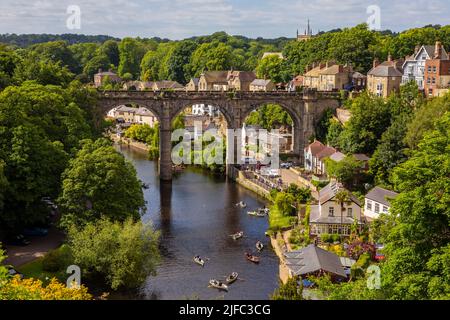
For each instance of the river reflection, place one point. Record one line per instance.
(196, 213)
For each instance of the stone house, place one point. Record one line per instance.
(101, 76)
(331, 216)
(213, 81)
(240, 80)
(193, 84)
(334, 77)
(377, 201)
(385, 78)
(262, 85)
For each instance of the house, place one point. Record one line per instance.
(315, 155)
(334, 77)
(193, 84)
(167, 85)
(262, 85)
(100, 77)
(414, 66)
(213, 81)
(385, 78)
(132, 115)
(240, 80)
(331, 216)
(437, 73)
(312, 76)
(296, 83)
(145, 116)
(203, 109)
(358, 82)
(378, 201)
(138, 85)
(314, 261)
(363, 159)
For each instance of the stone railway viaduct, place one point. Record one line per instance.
(305, 109)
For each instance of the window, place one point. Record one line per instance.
(434, 69)
(377, 208)
(430, 92)
(331, 212)
(428, 80)
(369, 205)
(434, 80)
(350, 212)
(429, 68)
(385, 209)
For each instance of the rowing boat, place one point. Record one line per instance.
(199, 261)
(252, 258)
(218, 285)
(232, 277)
(237, 235)
(259, 245)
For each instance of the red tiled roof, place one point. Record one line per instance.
(315, 147)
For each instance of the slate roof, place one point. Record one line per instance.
(337, 156)
(381, 195)
(361, 157)
(326, 152)
(166, 84)
(260, 82)
(329, 191)
(216, 76)
(312, 259)
(386, 69)
(316, 147)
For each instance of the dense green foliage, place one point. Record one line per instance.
(98, 183)
(123, 254)
(291, 290)
(269, 116)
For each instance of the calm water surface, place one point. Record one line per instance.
(196, 214)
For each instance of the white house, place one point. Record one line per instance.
(378, 201)
(315, 155)
(132, 115)
(414, 66)
(331, 216)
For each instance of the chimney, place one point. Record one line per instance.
(376, 63)
(327, 65)
(389, 57)
(438, 50)
(313, 65)
(100, 70)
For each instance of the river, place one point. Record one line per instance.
(196, 213)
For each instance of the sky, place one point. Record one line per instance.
(179, 19)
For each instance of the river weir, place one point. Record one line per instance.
(196, 215)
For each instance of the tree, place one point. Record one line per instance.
(390, 151)
(212, 56)
(301, 195)
(292, 290)
(100, 61)
(111, 50)
(271, 67)
(370, 118)
(124, 254)
(335, 129)
(285, 203)
(269, 116)
(178, 63)
(98, 183)
(345, 170)
(419, 240)
(131, 53)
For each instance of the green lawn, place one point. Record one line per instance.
(34, 269)
(279, 221)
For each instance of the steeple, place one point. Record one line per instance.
(309, 29)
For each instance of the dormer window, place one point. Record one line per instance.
(331, 212)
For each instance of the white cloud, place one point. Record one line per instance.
(183, 18)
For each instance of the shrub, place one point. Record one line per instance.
(57, 260)
(124, 254)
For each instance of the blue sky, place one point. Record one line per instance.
(178, 19)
